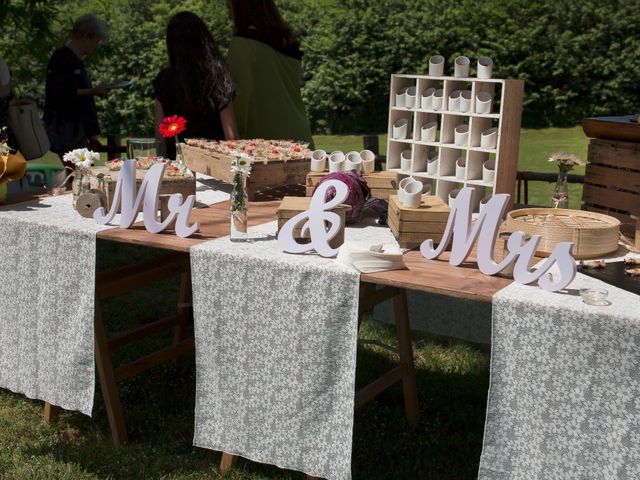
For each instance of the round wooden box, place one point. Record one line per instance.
(593, 234)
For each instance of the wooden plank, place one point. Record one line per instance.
(437, 276)
(623, 217)
(214, 223)
(143, 331)
(612, 128)
(378, 386)
(432, 209)
(612, 177)
(154, 359)
(403, 330)
(421, 227)
(51, 413)
(227, 462)
(615, 154)
(607, 197)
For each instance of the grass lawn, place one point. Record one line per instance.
(452, 381)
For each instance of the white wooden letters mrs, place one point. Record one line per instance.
(125, 194)
(485, 230)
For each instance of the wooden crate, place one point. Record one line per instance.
(186, 185)
(265, 173)
(291, 206)
(414, 225)
(612, 179)
(382, 184)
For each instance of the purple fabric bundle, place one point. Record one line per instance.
(358, 198)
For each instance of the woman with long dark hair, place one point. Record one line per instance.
(265, 62)
(196, 85)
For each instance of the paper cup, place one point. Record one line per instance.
(411, 96)
(436, 66)
(405, 161)
(488, 171)
(368, 161)
(401, 97)
(401, 185)
(483, 102)
(489, 138)
(400, 129)
(461, 169)
(485, 67)
(454, 101)
(353, 161)
(412, 194)
(461, 69)
(432, 166)
(318, 160)
(336, 162)
(484, 201)
(437, 99)
(426, 100)
(461, 135)
(428, 132)
(453, 194)
(465, 101)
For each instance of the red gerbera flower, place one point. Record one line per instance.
(172, 126)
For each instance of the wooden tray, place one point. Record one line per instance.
(612, 128)
(593, 234)
(265, 173)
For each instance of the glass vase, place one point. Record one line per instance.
(238, 213)
(561, 192)
(80, 185)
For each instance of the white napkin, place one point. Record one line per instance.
(375, 258)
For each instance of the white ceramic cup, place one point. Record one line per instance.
(465, 101)
(401, 185)
(400, 129)
(483, 102)
(436, 66)
(453, 194)
(432, 166)
(318, 161)
(437, 99)
(401, 97)
(461, 135)
(428, 132)
(489, 171)
(405, 161)
(461, 169)
(412, 194)
(353, 161)
(454, 101)
(426, 100)
(461, 69)
(368, 161)
(336, 162)
(483, 202)
(485, 67)
(411, 97)
(489, 138)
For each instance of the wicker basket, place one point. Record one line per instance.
(593, 234)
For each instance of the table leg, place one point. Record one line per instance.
(108, 382)
(184, 308)
(51, 413)
(403, 329)
(227, 462)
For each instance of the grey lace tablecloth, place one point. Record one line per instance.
(47, 283)
(564, 399)
(276, 342)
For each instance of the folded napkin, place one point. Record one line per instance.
(376, 258)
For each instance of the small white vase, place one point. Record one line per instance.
(436, 66)
(426, 100)
(454, 101)
(483, 202)
(461, 69)
(400, 129)
(489, 138)
(401, 97)
(453, 194)
(461, 169)
(465, 101)
(485, 67)
(483, 102)
(353, 161)
(336, 162)
(405, 161)
(318, 161)
(428, 132)
(437, 99)
(411, 97)
(368, 161)
(412, 194)
(432, 166)
(461, 135)
(401, 185)
(489, 171)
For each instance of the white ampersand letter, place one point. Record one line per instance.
(315, 218)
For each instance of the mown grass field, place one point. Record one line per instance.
(452, 381)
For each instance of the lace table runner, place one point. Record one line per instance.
(564, 400)
(275, 352)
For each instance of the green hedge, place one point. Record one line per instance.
(578, 58)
